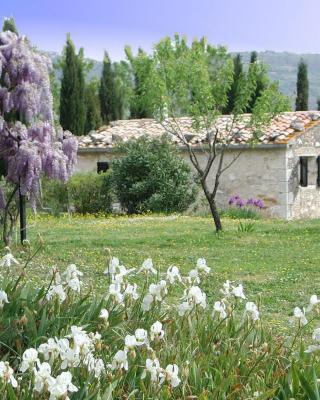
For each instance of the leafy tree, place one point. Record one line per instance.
(107, 92)
(152, 177)
(93, 117)
(197, 79)
(238, 77)
(140, 65)
(30, 146)
(302, 99)
(123, 89)
(9, 25)
(72, 106)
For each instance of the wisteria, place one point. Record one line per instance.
(29, 142)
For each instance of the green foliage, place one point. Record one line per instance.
(246, 227)
(91, 192)
(54, 196)
(72, 99)
(140, 65)
(109, 102)
(9, 25)
(302, 100)
(230, 356)
(240, 213)
(123, 88)
(93, 117)
(238, 76)
(261, 79)
(86, 193)
(151, 176)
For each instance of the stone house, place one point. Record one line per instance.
(282, 169)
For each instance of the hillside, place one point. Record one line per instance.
(282, 68)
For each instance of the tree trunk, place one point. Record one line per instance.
(215, 215)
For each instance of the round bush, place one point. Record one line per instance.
(85, 192)
(91, 192)
(152, 177)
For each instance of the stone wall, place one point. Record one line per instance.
(303, 202)
(258, 172)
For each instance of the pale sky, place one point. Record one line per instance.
(98, 25)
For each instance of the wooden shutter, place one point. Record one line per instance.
(303, 171)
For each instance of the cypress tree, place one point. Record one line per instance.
(302, 99)
(261, 80)
(9, 25)
(233, 91)
(253, 57)
(318, 103)
(68, 91)
(107, 94)
(72, 106)
(80, 101)
(93, 118)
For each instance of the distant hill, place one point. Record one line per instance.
(282, 68)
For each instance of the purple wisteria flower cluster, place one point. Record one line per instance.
(29, 143)
(236, 200)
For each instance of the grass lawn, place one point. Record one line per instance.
(279, 260)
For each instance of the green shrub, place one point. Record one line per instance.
(91, 192)
(54, 196)
(152, 177)
(85, 193)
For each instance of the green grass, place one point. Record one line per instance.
(279, 260)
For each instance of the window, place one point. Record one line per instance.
(102, 166)
(318, 171)
(303, 171)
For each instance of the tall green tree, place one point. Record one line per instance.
(238, 76)
(81, 86)
(302, 99)
(140, 65)
(72, 100)
(107, 94)
(93, 117)
(123, 85)
(261, 79)
(9, 25)
(197, 79)
(69, 88)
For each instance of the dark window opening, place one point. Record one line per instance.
(102, 166)
(318, 171)
(303, 171)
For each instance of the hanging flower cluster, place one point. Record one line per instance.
(29, 143)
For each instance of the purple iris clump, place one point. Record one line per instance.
(259, 203)
(239, 202)
(234, 199)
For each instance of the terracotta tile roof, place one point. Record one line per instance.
(282, 128)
